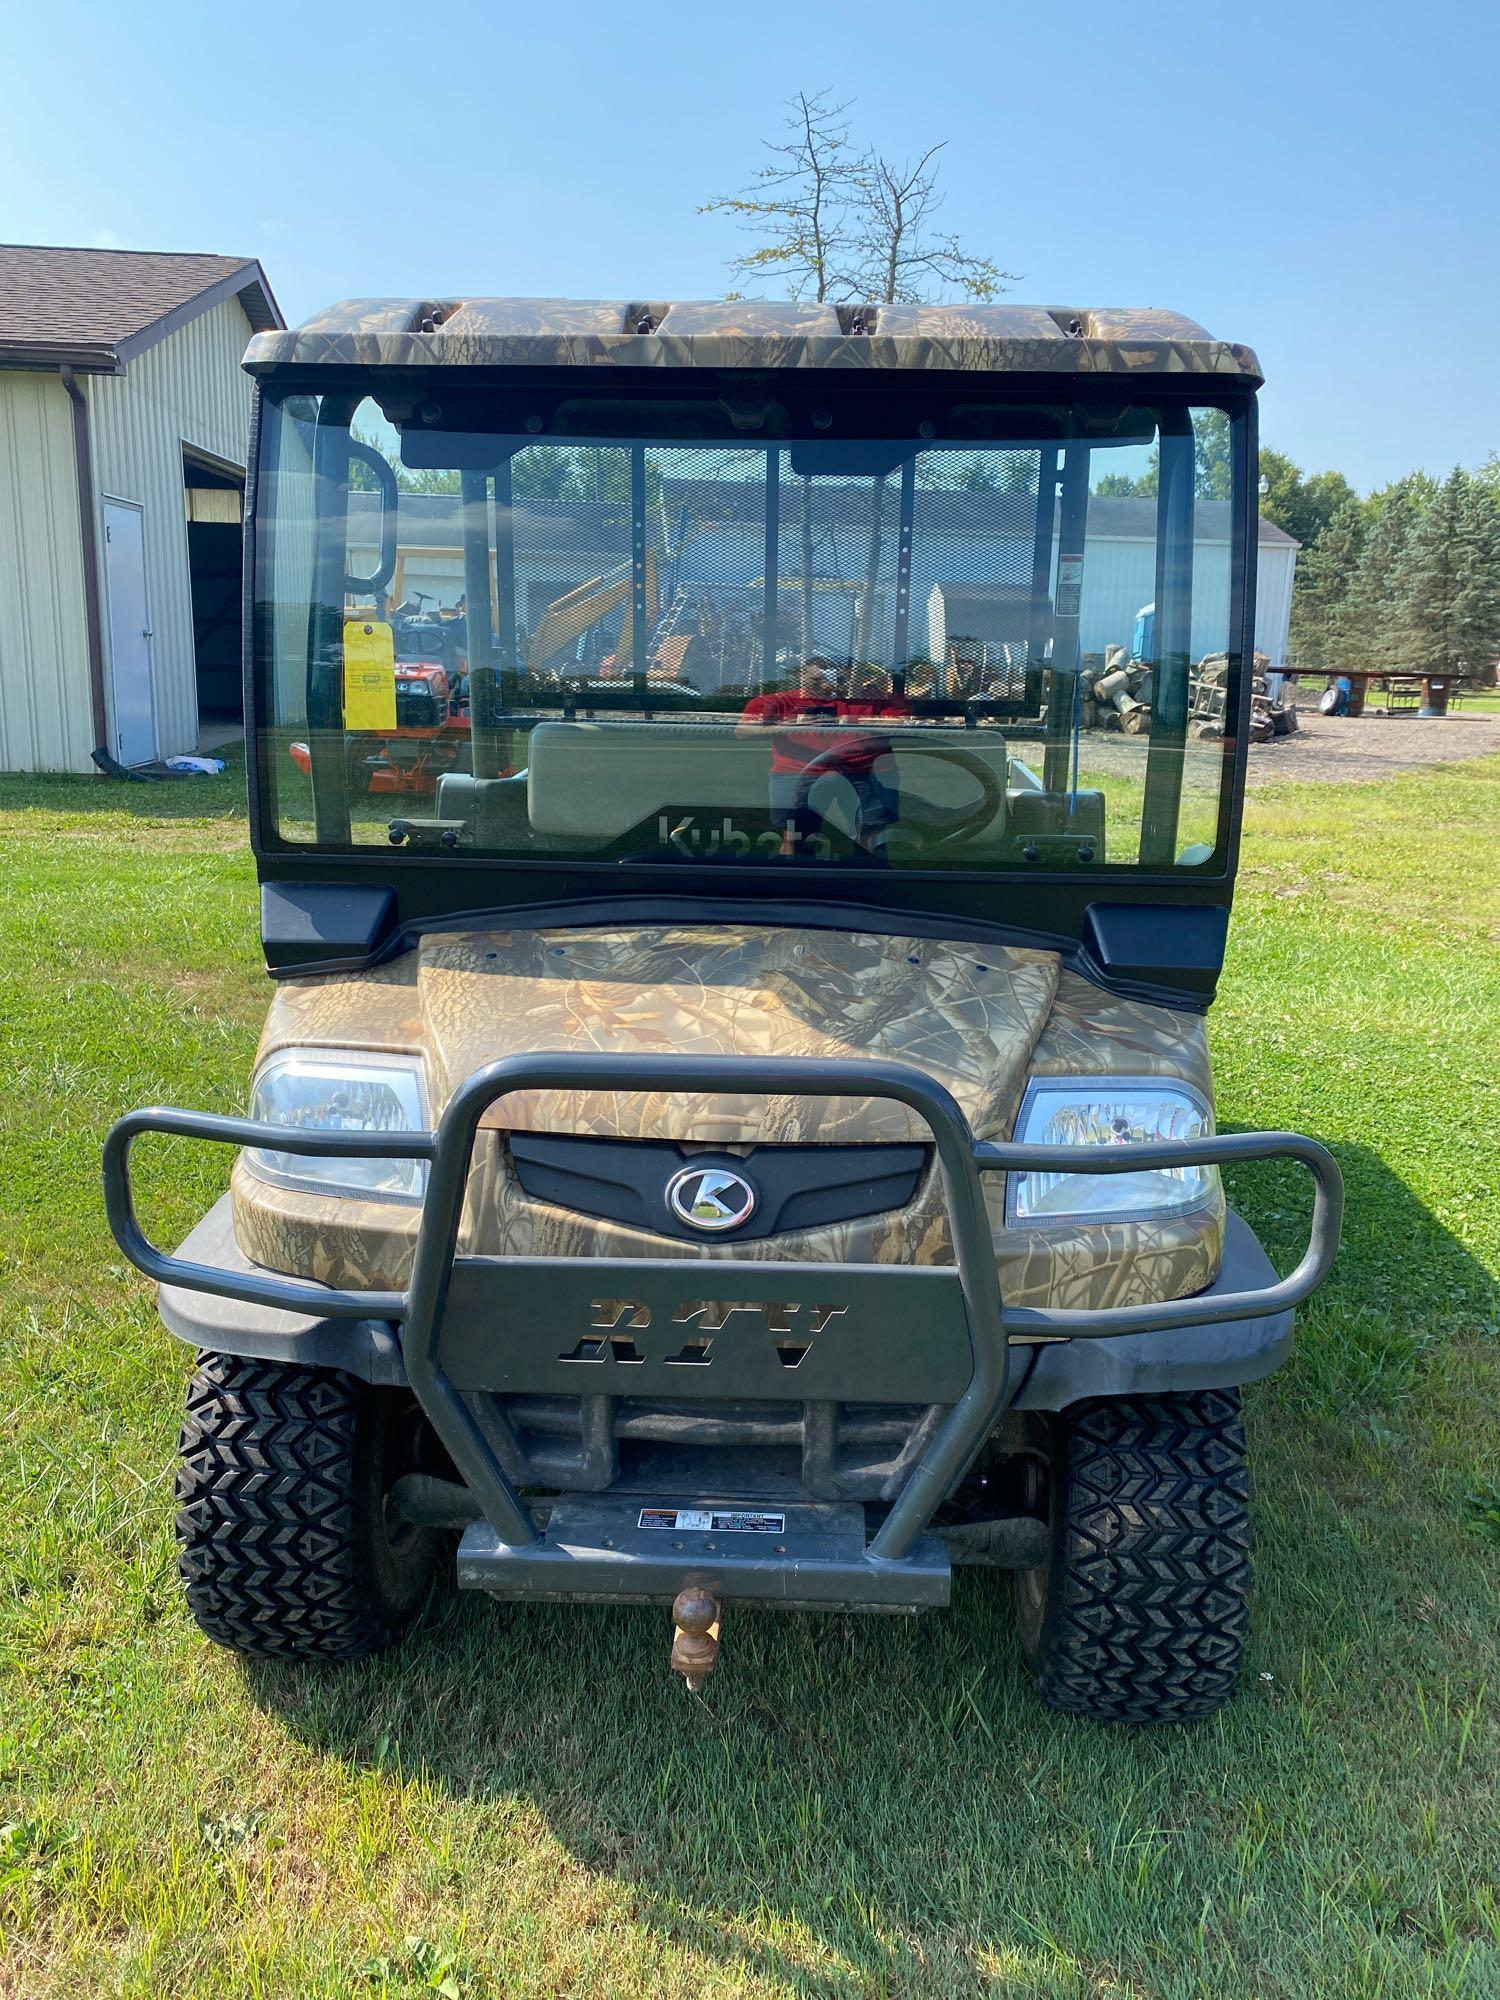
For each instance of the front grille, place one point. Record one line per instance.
(418, 706)
(796, 1187)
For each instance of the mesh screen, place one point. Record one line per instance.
(973, 550)
(944, 606)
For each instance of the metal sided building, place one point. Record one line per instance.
(124, 437)
(562, 546)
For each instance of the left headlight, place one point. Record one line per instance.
(1109, 1111)
(337, 1090)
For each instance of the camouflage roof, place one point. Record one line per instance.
(753, 333)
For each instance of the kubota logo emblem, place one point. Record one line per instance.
(710, 1198)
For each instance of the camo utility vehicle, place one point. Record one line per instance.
(748, 1138)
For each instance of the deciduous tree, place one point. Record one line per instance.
(898, 253)
(1303, 506)
(1212, 471)
(801, 202)
(847, 225)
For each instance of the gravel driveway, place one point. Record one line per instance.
(1327, 748)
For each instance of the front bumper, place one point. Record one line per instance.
(472, 1330)
(1050, 1375)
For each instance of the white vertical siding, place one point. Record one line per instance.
(188, 389)
(45, 722)
(1120, 576)
(1273, 599)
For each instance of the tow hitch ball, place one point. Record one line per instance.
(696, 1617)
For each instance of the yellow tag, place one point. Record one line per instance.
(369, 675)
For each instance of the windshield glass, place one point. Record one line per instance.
(1014, 650)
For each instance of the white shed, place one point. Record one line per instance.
(124, 430)
(1119, 576)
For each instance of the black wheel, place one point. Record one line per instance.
(358, 751)
(1140, 1612)
(286, 1550)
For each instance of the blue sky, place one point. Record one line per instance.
(1321, 181)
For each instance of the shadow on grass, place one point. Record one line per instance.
(881, 1804)
(195, 797)
(1402, 1285)
(849, 1779)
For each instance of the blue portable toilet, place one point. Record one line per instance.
(1143, 639)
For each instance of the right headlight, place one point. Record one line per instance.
(339, 1090)
(1109, 1111)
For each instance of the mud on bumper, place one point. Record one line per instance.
(802, 1342)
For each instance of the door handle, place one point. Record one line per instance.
(146, 632)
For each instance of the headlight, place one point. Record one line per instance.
(338, 1090)
(1109, 1111)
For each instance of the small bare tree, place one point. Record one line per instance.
(800, 202)
(847, 225)
(898, 256)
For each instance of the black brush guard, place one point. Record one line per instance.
(478, 1327)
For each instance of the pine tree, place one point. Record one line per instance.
(1368, 621)
(1430, 584)
(1477, 613)
(1325, 578)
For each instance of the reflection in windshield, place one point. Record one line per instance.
(986, 657)
(817, 734)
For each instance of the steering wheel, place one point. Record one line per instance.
(931, 824)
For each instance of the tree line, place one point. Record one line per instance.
(1407, 577)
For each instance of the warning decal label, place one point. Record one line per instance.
(712, 1521)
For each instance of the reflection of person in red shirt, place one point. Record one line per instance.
(800, 755)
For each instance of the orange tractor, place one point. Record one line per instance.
(431, 732)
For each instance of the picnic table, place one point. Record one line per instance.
(1405, 689)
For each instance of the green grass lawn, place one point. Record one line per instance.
(524, 1803)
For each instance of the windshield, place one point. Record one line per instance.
(1009, 647)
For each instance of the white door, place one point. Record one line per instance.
(129, 632)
